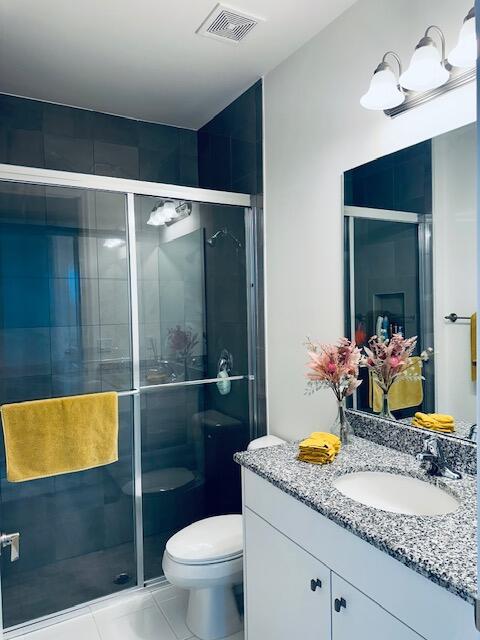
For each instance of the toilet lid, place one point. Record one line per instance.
(207, 541)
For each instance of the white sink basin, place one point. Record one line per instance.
(396, 493)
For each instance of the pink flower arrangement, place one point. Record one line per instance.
(388, 359)
(334, 366)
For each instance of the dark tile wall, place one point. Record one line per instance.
(39, 134)
(401, 181)
(230, 146)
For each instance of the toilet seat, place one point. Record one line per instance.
(208, 541)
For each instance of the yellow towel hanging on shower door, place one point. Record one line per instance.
(60, 435)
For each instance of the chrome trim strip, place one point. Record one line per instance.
(414, 99)
(137, 414)
(251, 294)
(15, 173)
(381, 214)
(66, 614)
(351, 275)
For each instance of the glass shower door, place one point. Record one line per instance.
(65, 329)
(192, 285)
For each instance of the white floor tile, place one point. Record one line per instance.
(81, 628)
(121, 607)
(165, 592)
(175, 611)
(145, 624)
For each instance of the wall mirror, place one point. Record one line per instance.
(410, 268)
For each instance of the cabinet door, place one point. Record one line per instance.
(287, 589)
(356, 617)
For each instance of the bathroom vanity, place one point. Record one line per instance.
(320, 565)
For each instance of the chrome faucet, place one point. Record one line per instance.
(433, 460)
(472, 434)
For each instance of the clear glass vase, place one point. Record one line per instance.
(385, 411)
(342, 427)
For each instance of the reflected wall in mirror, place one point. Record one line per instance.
(410, 268)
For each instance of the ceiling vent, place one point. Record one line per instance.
(227, 24)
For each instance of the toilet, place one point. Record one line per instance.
(207, 559)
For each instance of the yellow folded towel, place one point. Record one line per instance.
(436, 421)
(49, 437)
(319, 448)
(404, 393)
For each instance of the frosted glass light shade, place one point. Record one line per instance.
(465, 53)
(169, 211)
(383, 92)
(426, 70)
(157, 217)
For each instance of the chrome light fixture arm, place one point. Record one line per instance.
(427, 39)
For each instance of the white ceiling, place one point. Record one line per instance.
(142, 58)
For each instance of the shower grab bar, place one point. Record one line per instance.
(453, 317)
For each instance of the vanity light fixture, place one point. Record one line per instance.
(464, 55)
(163, 212)
(427, 68)
(384, 91)
(167, 212)
(429, 74)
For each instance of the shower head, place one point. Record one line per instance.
(223, 233)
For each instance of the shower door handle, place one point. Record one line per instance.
(11, 540)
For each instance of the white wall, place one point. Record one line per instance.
(455, 282)
(315, 129)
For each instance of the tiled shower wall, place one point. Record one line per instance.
(225, 154)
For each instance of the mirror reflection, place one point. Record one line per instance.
(410, 269)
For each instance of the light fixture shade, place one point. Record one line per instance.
(426, 70)
(156, 218)
(383, 92)
(465, 53)
(169, 211)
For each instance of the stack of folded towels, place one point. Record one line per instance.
(435, 421)
(319, 448)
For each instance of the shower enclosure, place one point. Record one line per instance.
(149, 290)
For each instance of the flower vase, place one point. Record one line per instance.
(385, 411)
(342, 427)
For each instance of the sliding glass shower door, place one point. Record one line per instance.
(150, 297)
(192, 287)
(65, 329)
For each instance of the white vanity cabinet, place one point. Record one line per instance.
(361, 594)
(288, 589)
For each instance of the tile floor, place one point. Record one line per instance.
(152, 614)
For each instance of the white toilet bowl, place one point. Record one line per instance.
(206, 558)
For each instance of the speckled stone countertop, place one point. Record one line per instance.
(441, 548)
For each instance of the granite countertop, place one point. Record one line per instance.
(441, 548)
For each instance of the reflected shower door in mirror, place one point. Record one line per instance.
(410, 258)
(192, 290)
(63, 264)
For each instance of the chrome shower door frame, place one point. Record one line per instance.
(424, 232)
(131, 188)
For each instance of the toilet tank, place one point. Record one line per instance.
(265, 441)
